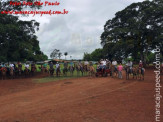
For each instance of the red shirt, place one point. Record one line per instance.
(3, 68)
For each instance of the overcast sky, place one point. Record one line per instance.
(79, 31)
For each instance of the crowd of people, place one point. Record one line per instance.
(116, 66)
(14, 66)
(102, 65)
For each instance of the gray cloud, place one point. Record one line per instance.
(80, 30)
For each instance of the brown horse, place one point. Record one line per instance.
(26, 72)
(51, 71)
(33, 70)
(91, 71)
(135, 72)
(3, 71)
(11, 72)
(79, 68)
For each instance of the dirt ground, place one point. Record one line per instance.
(79, 100)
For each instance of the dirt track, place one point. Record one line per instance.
(79, 100)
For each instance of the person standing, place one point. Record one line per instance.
(120, 68)
(114, 68)
(140, 64)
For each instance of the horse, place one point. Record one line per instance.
(79, 69)
(41, 68)
(91, 71)
(58, 71)
(71, 69)
(33, 70)
(128, 72)
(3, 71)
(51, 71)
(114, 71)
(65, 70)
(26, 72)
(11, 72)
(141, 72)
(85, 69)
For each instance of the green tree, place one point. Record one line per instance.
(87, 57)
(18, 41)
(136, 29)
(97, 54)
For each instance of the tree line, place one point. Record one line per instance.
(18, 41)
(133, 32)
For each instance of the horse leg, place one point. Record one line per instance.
(57, 73)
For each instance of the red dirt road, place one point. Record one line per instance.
(79, 100)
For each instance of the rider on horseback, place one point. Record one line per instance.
(86, 63)
(57, 69)
(141, 66)
(65, 65)
(51, 70)
(20, 66)
(33, 67)
(99, 66)
(12, 66)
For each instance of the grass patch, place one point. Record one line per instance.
(54, 78)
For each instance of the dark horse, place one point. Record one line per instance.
(58, 71)
(26, 72)
(20, 72)
(71, 69)
(128, 72)
(65, 70)
(33, 70)
(79, 69)
(141, 72)
(51, 71)
(114, 71)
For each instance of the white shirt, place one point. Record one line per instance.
(86, 63)
(129, 64)
(104, 62)
(12, 66)
(57, 65)
(114, 63)
(27, 66)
